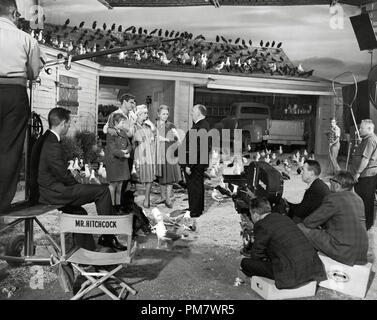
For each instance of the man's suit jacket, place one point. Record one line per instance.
(343, 236)
(294, 260)
(202, 151)
(312, 200)
(54, 179)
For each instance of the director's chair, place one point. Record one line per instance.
(98, 225)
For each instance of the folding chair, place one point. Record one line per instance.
(98, 225)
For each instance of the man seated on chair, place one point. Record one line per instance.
(314, 194)
(337, 227)
(58, 186)
(280, 251)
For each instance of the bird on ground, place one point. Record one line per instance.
(70, 167)
(163, 234)
(280, 150)
(257, 156)
(305, 153)
(216, 195)
(87, 173)
(76, 164)
(70, 46)
(263, 153)
(93, 179)
(267, 159)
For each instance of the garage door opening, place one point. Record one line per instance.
(227, 108)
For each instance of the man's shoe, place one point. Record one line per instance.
(111, 242)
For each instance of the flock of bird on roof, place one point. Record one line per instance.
(183, 51)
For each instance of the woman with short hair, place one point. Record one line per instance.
(168, 173)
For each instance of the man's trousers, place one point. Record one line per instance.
(195, 190)
(14, 109)
(366, 189)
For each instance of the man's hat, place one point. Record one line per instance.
(123, 93)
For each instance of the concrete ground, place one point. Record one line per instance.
(202, 266)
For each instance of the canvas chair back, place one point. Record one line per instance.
(71, 223)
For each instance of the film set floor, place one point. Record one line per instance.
(204, 265)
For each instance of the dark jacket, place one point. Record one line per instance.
(343, 236)
(294, 260)
(117, 166)
(54, 178)
(201, 152)
(312, 199)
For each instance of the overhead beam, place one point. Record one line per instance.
(185, 3)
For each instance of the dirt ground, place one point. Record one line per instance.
(202, 266)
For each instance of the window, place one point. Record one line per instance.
(68, 93)
(254, 110)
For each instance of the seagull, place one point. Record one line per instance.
(305, 153)
(263, 153)
(203, 60)
(267, 159)
(280, 150)
(257, 156)
(216, 195)
(70, 46)
(93, 179)
(193, 61)
(219, 67)
(70, 167)
(273, 156)
(300, 68)
(87, 172)
(76, 165)
(121, 55)
(162, 233)
(248, 148)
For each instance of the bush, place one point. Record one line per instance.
(83, 145)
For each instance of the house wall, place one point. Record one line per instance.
(46, 94)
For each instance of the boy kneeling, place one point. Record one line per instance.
(280, 250)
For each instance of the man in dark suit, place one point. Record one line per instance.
(57, 184)
(337, 227)
(196, 161)
(313, 196)
(280, 251)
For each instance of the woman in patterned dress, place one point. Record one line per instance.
(145, 150)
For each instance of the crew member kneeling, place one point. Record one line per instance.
(280, 251)
(56, 183)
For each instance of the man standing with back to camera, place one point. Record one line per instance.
(20, 60)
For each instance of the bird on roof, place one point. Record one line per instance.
(261, 43)
(216, 195)
(220, 66)
(279, 45)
